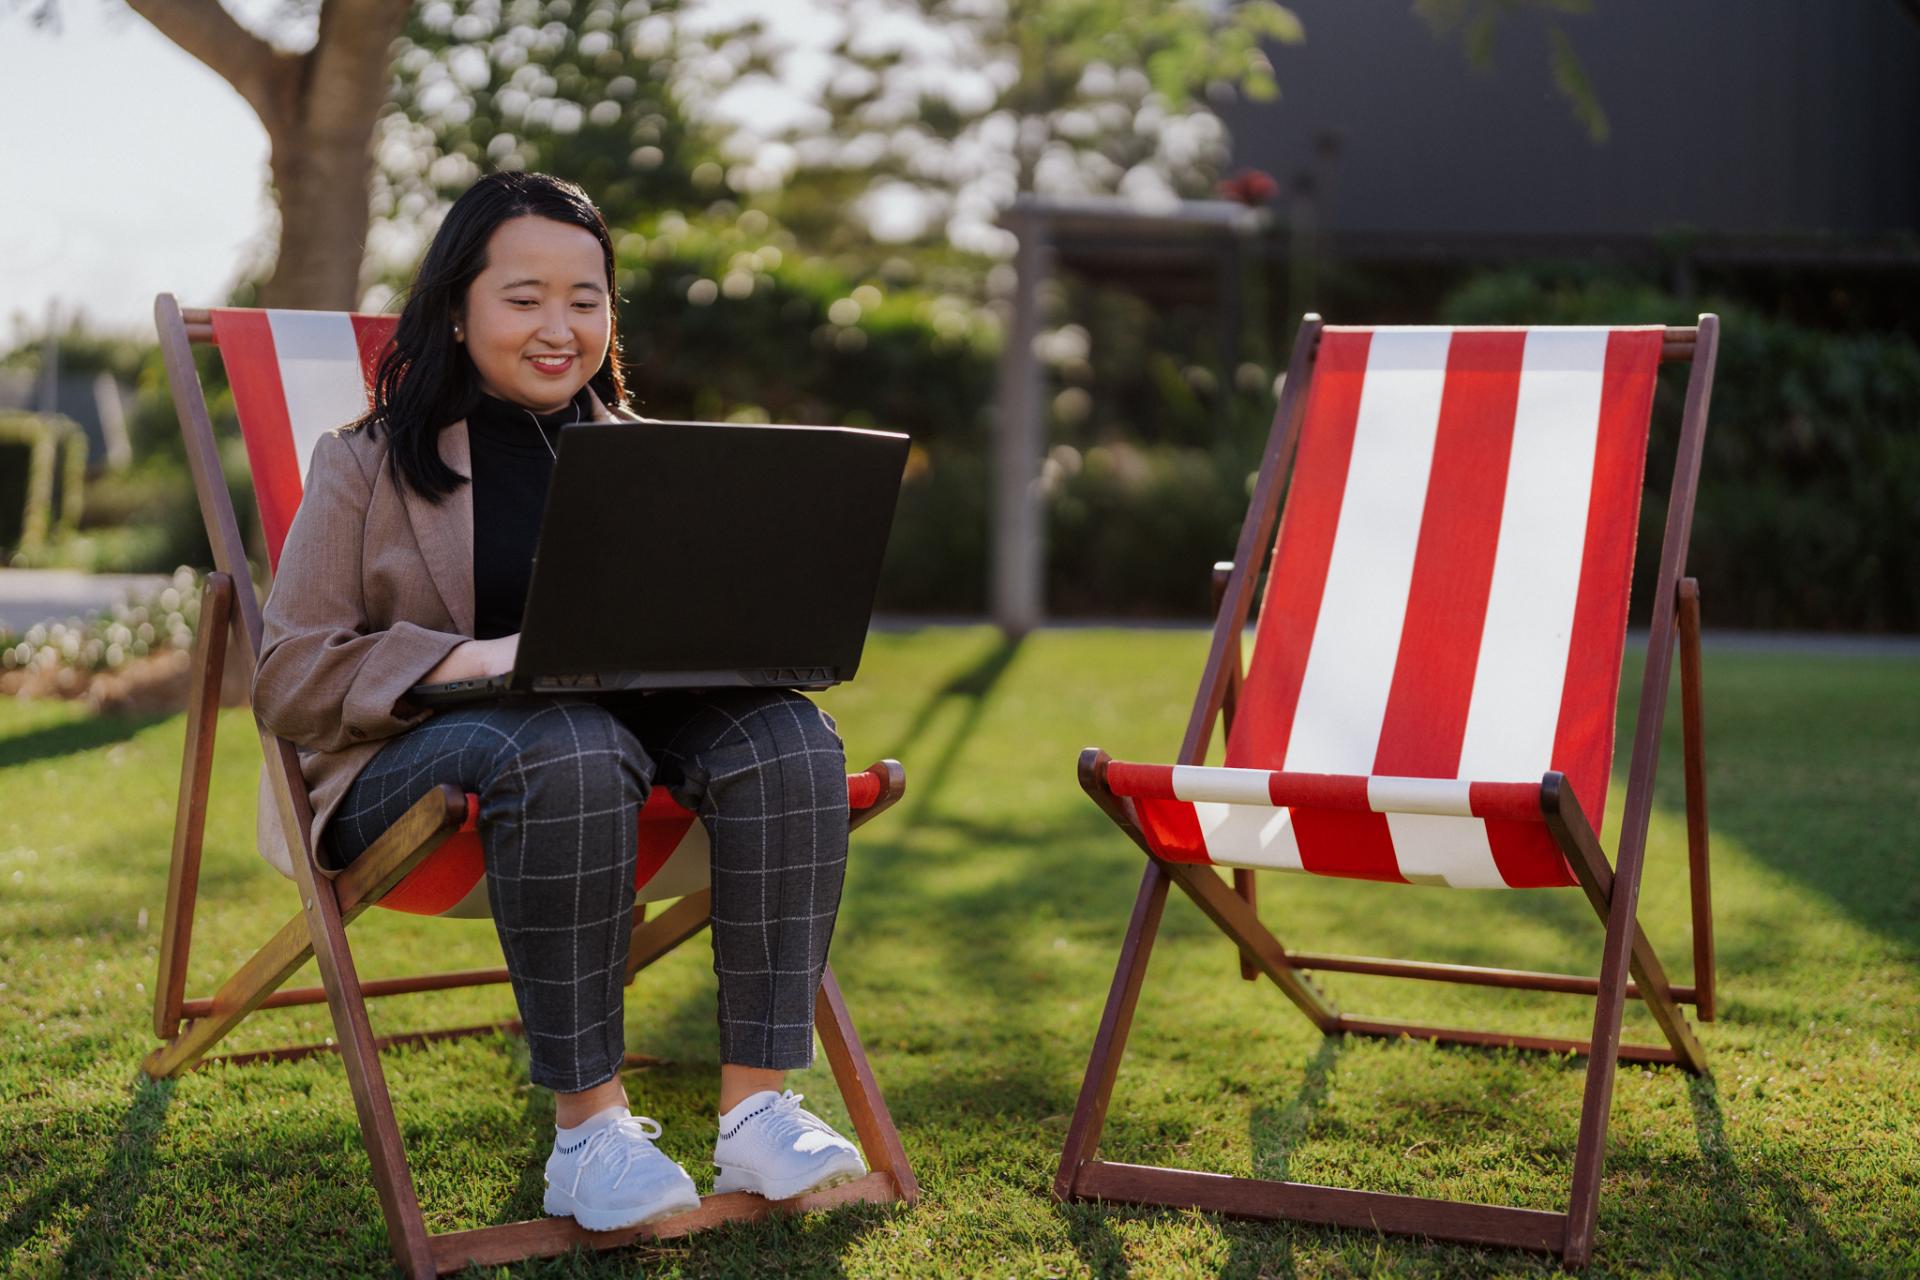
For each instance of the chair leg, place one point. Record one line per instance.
(1110, 1044)
(1582, 848)
(1583, 1202)
(872, 1122)
(1693, 750)
(190, 812)
(393, 1179)
(1243, 881)
(1615, 899)
(1570, 1234)
(1082, 1177)
(418, 833)
(1243, 885)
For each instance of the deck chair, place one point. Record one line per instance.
(294, 376)
(1430, 700)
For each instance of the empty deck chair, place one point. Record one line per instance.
(1430, 701)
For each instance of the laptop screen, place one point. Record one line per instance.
(699, 547)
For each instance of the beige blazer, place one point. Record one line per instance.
(374, 588)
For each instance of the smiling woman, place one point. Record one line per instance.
(406, 564)
(514, 301)
(537, 321)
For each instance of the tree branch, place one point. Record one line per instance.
(263, 75)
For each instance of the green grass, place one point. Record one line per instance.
(978, 935)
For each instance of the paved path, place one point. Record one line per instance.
(28, 596)
(1828, 644)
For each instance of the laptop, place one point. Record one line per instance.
(697, 555)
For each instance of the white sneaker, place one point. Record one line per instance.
(607, 1174)
(772, 1146)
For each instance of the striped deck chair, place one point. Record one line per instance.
(296, 375)
(1430, 700)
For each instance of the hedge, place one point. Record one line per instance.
(1809, 509)
(43, 468)
(724, 318)
(1809, 506)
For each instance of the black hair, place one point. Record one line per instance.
(426, 381)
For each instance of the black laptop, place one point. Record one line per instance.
(694, 555)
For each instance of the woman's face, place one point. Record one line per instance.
(538, 319)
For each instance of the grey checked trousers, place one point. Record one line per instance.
(561, 782)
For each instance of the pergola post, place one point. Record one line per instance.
(1016, 584)
(1211, 243)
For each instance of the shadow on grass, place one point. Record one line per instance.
(109, 1194)
(1262, 1249)
(1762, 1221)
(109, 906)
(1813, 765)
(1714, 1216)
(1090, 1232)
(972, 926)
(71, 737)
(971, 687)
(1277, 1132)
(681, 1089)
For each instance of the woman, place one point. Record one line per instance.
(408, 563)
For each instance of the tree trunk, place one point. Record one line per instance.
(321, 188)
(323, 163)
(319, 109)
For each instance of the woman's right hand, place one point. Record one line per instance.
(476, 660)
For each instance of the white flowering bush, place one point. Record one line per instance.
(154, 624)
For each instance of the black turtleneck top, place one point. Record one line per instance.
(512, 453)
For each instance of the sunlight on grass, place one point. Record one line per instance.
(980, 927)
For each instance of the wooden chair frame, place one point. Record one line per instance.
(1612, 889)
(191, 1027)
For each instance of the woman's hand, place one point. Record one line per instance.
(476, 660)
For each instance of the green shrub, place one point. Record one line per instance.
(141, 519)
(16, 483)
(1130, 530)
(43, 459)
(150, 623)
(937, 554)
(724, 319)
(1136, 530)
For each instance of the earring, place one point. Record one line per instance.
(457, 335)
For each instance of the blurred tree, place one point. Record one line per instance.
(578, 88)
(932, 115)
(959, 106)
(319, 108)
(392, 107)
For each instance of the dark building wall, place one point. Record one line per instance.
(1738, 117)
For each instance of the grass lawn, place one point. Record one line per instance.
(980, 926)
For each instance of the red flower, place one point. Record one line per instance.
(1248, 186)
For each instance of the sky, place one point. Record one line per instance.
(146, 172)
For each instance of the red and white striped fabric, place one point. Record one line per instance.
(1444, 618)
(297, 375)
